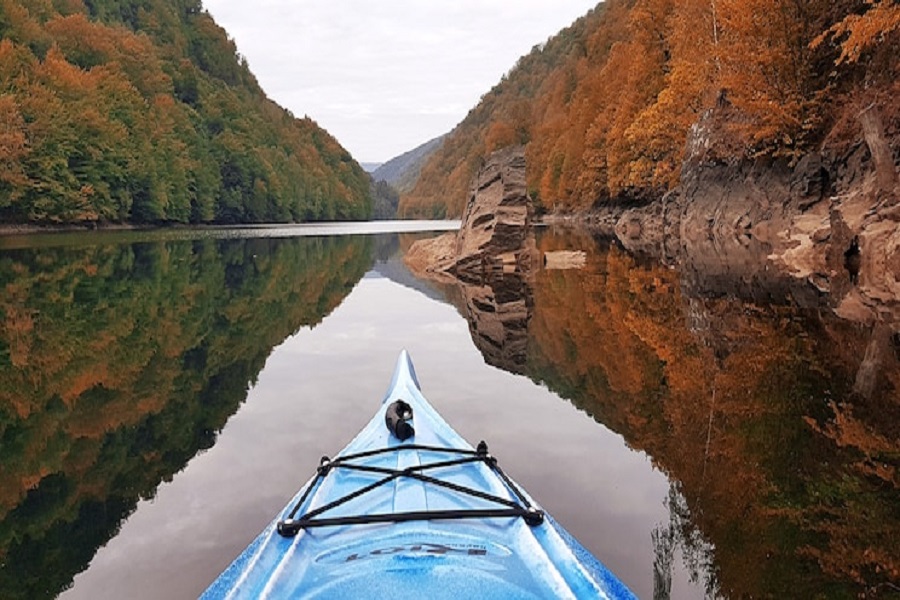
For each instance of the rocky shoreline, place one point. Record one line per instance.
(496, 233)
(768, 234)
(829, 222)
(823, 234)
(8, 229)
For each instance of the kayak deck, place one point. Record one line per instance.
(409, 505)
(428, 516)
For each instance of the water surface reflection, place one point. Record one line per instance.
(699, 441)
(777, 420)
(118, 363)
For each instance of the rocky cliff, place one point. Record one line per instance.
(486, 266)
(829, 221)
(495, 234)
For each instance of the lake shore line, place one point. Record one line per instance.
(29, 228)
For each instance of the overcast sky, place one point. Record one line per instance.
(384, 76)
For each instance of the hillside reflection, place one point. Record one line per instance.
(778, 422)
(118, 363)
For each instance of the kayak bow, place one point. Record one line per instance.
(409, 507)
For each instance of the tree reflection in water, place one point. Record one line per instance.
(777, 420)
(119, 362)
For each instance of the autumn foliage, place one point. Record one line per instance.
(789, 474)
(605, 107)
(143, 111)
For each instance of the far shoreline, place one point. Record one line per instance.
(9, 230)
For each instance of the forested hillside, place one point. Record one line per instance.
(143, 111)
(605, 107)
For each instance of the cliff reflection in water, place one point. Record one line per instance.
(777, 421)
(118, 363)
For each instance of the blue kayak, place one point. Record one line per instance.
(410, 509)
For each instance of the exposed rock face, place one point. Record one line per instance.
(433, 257)
(489, 260)
(495, 234)
(832, 223)
(496, 225)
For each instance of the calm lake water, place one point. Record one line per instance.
(163, 395)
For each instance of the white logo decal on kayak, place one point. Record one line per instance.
(433, 549)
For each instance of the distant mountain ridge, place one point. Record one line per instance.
(402, 172)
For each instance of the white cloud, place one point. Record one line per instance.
(386, 76)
